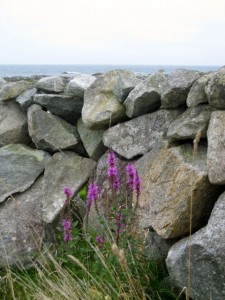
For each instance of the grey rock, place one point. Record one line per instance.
(66, 106)
(215, 89)
(216, 145)
(197, 92)
(92, 140)
(51, 133)
(79, 84)
(170, 178)
(140, 135)
(145, 97)
(20, 166)
(174, 92)
(21, 227)
(188, 124)
(13, 124)
(64, 169)
(156, 247)
(124, 83)
(207, 258)
(52, 84)
(13, 89)
(102, 100)
(26, 99)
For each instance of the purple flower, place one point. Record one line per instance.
(66, 224)
(92, 194)
(99, 239)
(133, 180)
(67, 236)
(137, 184)
(112, 170)
(111, 158)
(67, 191)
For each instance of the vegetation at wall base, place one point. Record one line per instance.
(87, 271)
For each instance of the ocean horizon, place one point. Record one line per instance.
(30, 70)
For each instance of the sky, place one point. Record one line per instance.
(141, 32)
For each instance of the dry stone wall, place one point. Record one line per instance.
(54, 132)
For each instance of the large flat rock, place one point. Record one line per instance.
(13, 124)
(64, 169)
(51, 133)
(13, 89)
(51, 84)
(103, 99)
(207, 258)
(79, 84)
(170, 178)
(140, 135)
(146, 95)
(66, 106)
(20, 166)
(197, 93)
(21, 227)
(188, 124)
(174, 93)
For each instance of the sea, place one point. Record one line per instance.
(30, 70)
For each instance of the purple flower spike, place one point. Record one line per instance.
(137, 185)
(111, 159)
(68, 192)
(92, 194)
(67, 237)
(133, 180)
(66, 224)
(112, 170)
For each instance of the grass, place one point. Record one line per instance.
(90, 273)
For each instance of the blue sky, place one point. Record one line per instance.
(190, 32)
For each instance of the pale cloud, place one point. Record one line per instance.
(112, 31)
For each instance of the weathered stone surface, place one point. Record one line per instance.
(216, 148)
(20, 166)
(64, 169)
(140, 135)
(188, 124)
(197, 92)
(207, 258)
(170, 179)
(92, 140)
(2, 82)
(102, 99)
(26, 99)
(66, 106)
(51, 133)
(156, 247)
(174, 92)
(145, 97)
(21, 227)
(52, 84)
(13, 124)
(13, 89)
(125, 81)
(215, 89)
(79, 83)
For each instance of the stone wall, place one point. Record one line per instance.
(54, 132)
